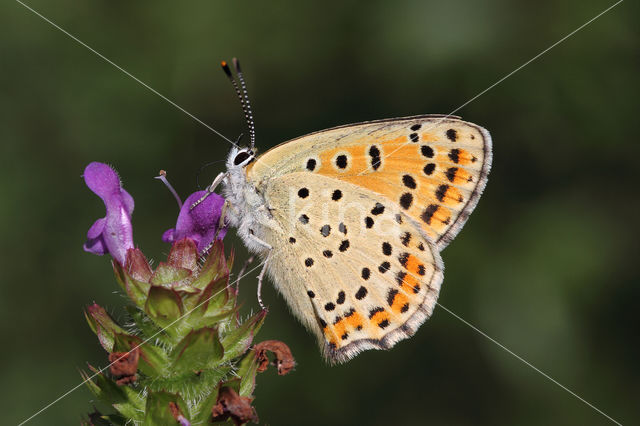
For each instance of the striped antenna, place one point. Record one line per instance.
(243, 96)
(247, 104)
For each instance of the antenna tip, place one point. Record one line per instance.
(225, 68)
(236, 64)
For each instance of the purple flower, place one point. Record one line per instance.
(113, 233)
(201, 224)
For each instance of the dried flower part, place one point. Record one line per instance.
(284, 359)
(177, 414)
(201, 224)
(231, 405)
(124, 366)
(113, 233)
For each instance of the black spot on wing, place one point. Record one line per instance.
(377, 209)
(341, 161)
(428, 213)
(406, 200)
(409, 181)
(311, 164)
(427, 151)
(366, 273)
(384, 323)
(429, 168)
(342, 228)
(451, 173)
(391, 296)
(375, 310)
(374, 153)
(386, 248)
(441, 192)
(454, 155)
(361, 293)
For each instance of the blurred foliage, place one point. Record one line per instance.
(546, 264)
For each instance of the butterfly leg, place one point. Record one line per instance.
(210, 189)
(241, 273)
(221, 224)
(223, 215)
(260, 277)
(267, 246)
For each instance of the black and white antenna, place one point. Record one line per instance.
(243, 96)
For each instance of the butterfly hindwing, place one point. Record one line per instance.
(354, 268)
(433, 167)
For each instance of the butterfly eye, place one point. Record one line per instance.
(241, 157)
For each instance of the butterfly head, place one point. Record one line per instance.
(239, 158)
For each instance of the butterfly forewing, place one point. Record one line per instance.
(433, 167)
(356, 269)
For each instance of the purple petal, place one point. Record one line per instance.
(95, 242)
(101, 179)
(167, 237)
(115, 230)
(118, 235)
(127, 199)
(95, 246)
(96, 229)
(201, 223)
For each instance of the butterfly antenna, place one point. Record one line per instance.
(248, 114)
(244, 99)
(204, 166)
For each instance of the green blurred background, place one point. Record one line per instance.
(547, 265)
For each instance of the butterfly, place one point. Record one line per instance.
(350, 221)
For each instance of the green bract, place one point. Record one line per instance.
(189, 338)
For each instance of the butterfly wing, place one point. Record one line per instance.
(353, 267)
(433, 167)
